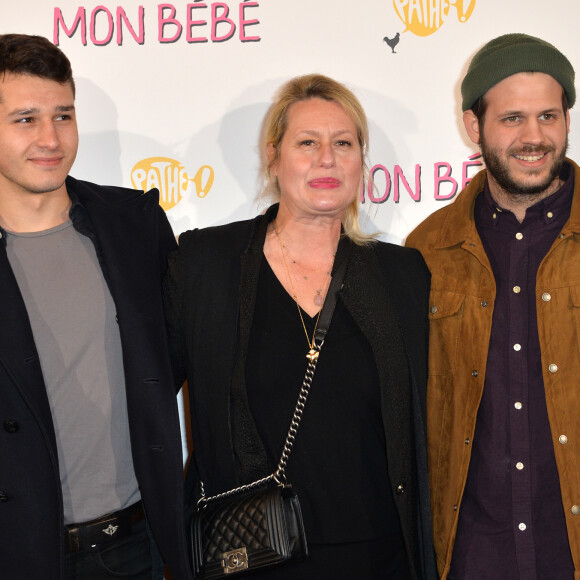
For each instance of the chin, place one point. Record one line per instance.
(40, 188)
(332, 206)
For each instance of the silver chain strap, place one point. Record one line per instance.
(279, 476)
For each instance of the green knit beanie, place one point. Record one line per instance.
(511, 54)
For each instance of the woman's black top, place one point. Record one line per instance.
(338, 466)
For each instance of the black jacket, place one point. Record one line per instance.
(210, 294)
(133, 239)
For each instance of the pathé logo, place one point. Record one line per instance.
(424, 17)
(171, 179)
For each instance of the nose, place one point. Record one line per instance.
(532, 132)
(326, 155)
(47, 137)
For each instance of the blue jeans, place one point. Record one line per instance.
(134, 557)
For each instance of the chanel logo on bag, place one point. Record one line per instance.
(235, 561)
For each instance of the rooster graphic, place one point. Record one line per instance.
(392, 42)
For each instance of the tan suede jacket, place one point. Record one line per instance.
(461, 308)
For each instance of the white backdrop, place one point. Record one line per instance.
(173, 95)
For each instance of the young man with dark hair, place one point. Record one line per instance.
(90, 450)
(503, 401)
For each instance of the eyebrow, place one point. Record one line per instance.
(35, 111)
(554, 109)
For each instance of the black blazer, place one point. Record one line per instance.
(133, 239)
(210, 292)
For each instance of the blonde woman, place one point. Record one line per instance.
(243, 302)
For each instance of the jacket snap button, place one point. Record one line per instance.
(11, 426)
(433, 309)
(563, 439)
(553, 368)
(546, 297)
(575, 510)
(3, 497)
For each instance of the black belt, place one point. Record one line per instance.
(104, 529)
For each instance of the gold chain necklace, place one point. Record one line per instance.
(312, 352)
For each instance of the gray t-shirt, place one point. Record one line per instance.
(72, 315)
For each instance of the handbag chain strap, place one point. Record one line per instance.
(279, 476)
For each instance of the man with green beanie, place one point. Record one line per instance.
(503, 396)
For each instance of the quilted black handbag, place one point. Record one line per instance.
(260, 528)
(260, 524)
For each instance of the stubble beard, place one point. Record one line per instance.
(499, 169)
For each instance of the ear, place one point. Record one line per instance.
(568, 121)
(472, 126)
(271, 158)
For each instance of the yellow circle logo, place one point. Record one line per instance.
(171, 179)
(424, 17)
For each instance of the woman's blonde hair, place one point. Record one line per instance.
(302, 88)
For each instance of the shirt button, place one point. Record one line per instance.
(401, 488)
(563, 439)
(575, 510)
(546, 297)
(517, 289)
(522, 526)
(433, 309)
(517, 347)
(550, 214)
(519, 236)
(519, 465)
(553, 368)
(494, 216)
(518, 405)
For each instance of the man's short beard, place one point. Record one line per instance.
(499, 169)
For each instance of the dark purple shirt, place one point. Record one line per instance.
(511, 519)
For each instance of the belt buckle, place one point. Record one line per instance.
(110, 530)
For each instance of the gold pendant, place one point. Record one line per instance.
(312, 355)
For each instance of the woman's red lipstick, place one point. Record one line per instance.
(324, 183)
